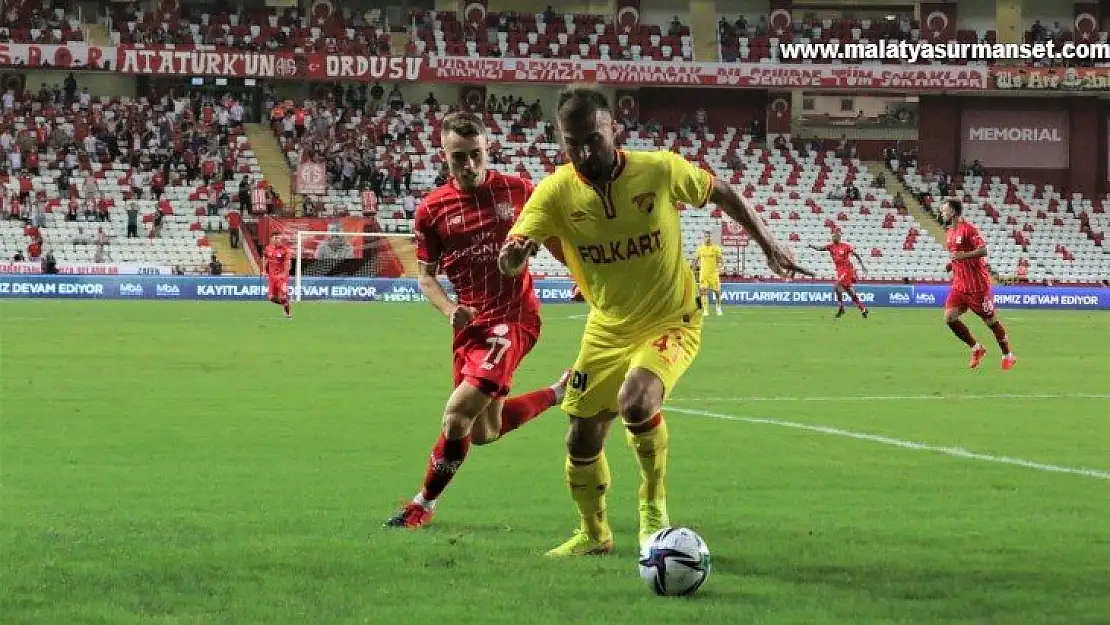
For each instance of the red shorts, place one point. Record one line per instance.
(980, 302)
(487, 356)
(845, 280)
(279, 286)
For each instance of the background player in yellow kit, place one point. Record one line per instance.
(708, 258)
(613, 214)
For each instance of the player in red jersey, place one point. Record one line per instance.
(277, 260)
(971, 285)
(496, 319)
(842, 254)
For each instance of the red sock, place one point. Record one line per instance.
(521, 409)
(447, 457)
(959, 328)
(1000, 336)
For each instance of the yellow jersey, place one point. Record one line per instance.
(623, 241)
(709, 260)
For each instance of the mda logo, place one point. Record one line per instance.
(167, 290)
(926, 298)
(131, 288)
(899, 297)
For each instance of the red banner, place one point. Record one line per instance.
(733, 234)
(166, 61)
(895, 77)
(759, 75)
(258, 200)
(159, 60)
(369, 203)
(211, 61)
(1051, 78)
(76, 55)
(312, 179)
(366, 68)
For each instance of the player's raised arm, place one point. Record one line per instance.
(779, 258)
(535, 224)
(693, 185)
(859, 259)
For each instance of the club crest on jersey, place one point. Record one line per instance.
(645, 202)
(504, 211)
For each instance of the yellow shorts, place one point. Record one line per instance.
(603, 363)
(710, 284)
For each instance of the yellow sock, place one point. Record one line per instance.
(651, 451)
(588, 485)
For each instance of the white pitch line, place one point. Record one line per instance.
(866, 398)
(955, 452)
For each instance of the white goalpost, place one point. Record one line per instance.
(339, 254)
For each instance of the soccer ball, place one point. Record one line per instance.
(674, 562)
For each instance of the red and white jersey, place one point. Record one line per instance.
(274, 260)
(971, 274)
(463, 231)
(841, 256)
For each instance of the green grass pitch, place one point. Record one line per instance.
(213, 463)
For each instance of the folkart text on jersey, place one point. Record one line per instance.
(622, 249)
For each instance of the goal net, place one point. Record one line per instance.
(339, 254)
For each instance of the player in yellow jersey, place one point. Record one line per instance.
(613, 215)
(708, 258)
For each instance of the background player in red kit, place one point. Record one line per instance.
(842, 254)
(277, 261)
(496, 319)
(971, 284)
